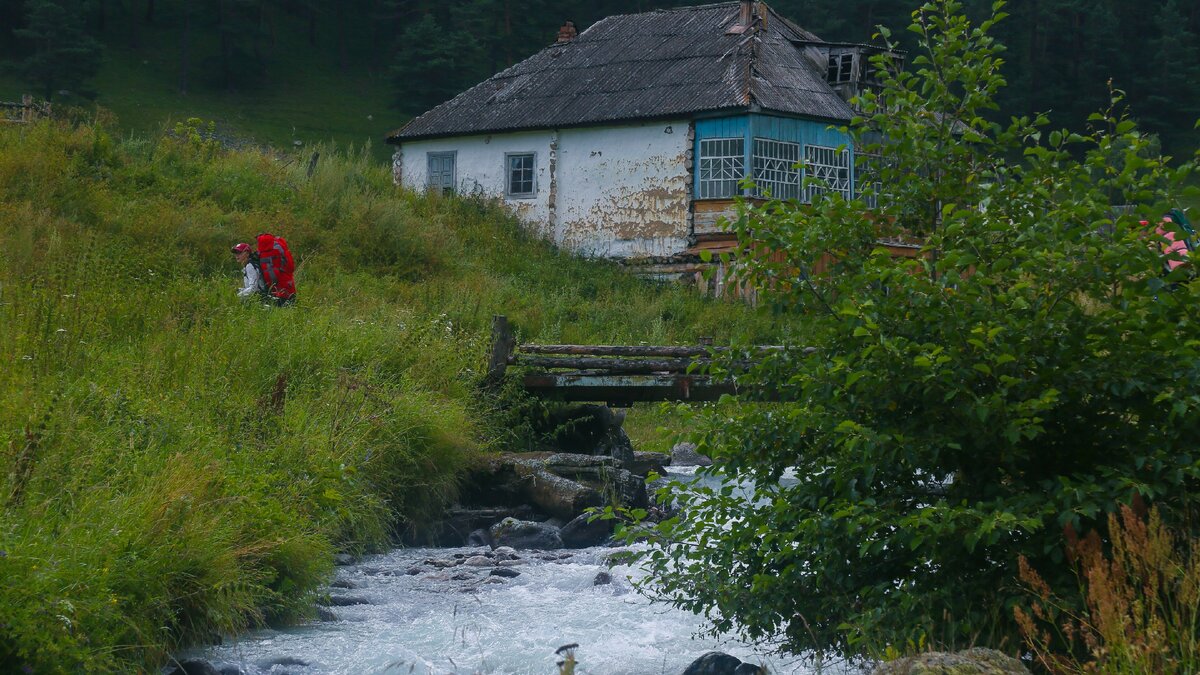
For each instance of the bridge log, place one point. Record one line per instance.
(616, 365)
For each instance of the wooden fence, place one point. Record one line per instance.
(25, 112)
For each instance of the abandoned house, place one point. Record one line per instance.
(630, 139)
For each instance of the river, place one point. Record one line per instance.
(418, 618)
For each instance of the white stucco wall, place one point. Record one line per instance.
(623, 191)
(606, 191)
(480, 168)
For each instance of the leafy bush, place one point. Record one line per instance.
(1029, 369)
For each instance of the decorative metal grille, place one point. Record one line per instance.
(776, 170)
(825, 169)
(722, 166)
(520, 175)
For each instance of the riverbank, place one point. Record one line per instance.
(177, 465)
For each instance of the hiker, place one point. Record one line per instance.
(1180, 239)
(275, 263)
(252, 284)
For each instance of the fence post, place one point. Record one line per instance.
(502, 346)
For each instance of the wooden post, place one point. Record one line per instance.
(26, 108)
(502, 346)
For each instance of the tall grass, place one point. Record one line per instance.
(177, 465)
(1138, 604)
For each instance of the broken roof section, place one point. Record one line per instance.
(666, 63)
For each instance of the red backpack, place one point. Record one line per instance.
(275, 262)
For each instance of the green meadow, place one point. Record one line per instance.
(177, 464)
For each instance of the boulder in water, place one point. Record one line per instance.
(506, 572)
(645, 462)
(480, 537)
(684, 454)
(347, 601)
(504, 553)
(579, 533)
(526, 534)
(720, 663)
(602, 578)
(478, 561)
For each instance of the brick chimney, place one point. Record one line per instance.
(747, 12)
(567, 32)
(747, 16)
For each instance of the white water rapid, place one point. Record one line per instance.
(416, 618)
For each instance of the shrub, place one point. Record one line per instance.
(1031, 368)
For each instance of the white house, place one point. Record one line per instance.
(629, 140)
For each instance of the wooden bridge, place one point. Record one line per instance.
(614, 374)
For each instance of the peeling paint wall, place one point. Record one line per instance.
(605, 191)
(623, 191)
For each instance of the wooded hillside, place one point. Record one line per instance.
(1062, 53)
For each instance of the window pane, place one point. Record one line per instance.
(776, 170)
(520, 175)
(722, 165)
(826, 169)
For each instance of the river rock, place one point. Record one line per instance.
(343, 559)
(977, 661)
(720, 663)
(325, 614)
(462, 576)
(504, 553)
(590, 430)
(579, 533)
(504, 572)
(645, 462)
(630, 488)
(684, 454)
(602, 578)
(525, 534)
(559, 496)
(194, 667)
(478, 561)
(347, 601)
(343, 583)
(480, 537)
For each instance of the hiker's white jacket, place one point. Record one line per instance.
(251, 281)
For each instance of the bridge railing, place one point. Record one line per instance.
(619, 374)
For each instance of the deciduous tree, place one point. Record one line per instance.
(1029, 370)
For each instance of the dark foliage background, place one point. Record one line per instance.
(1061, 52)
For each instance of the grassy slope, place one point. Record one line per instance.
(176, 464)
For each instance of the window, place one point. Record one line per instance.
(841, 68)
(722, 166)
(826, 169)
(775, 168)
(519, 169)
(441, 172)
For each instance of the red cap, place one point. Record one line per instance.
(241, 248)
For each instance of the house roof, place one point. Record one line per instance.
(653, 65)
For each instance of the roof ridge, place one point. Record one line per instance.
(666, 10)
